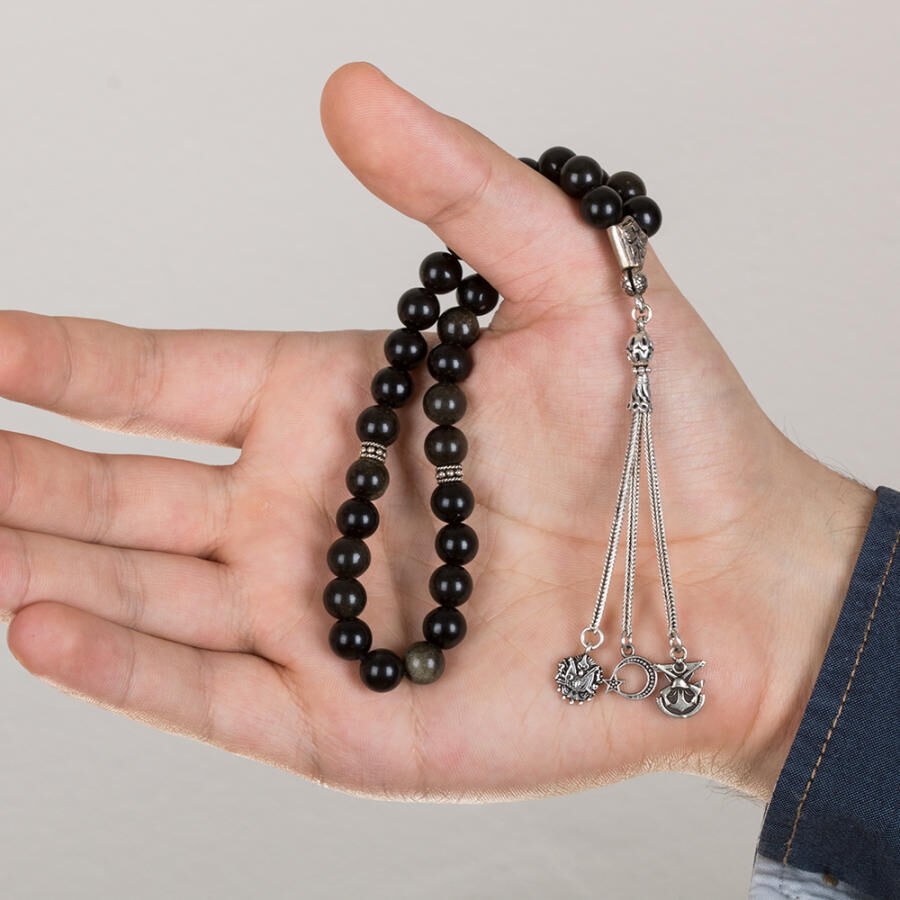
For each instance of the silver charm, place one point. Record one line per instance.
(681, 697)
(579, 678)
(614, 683)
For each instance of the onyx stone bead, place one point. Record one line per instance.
(456, 543)
(344, 598)
(601, 207)
(350, 638)
(645, 212)
(367, 478)
(357, 518)
(424, 662)
(444, 404)
(458, 326)
(440, 272)
(579, 174)
(349, 557)
(379, 424)
(418, 308)
(449, 362)
(627, 185)
(450, 585)
(381, 670)
(551, 161)
(446, 445)
(444, 626)
(531, 163)
(452, 501)
(476, 293)
(391, 386)
(405, 348)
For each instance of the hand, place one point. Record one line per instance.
(189, 596)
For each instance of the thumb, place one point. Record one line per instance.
(512, 225)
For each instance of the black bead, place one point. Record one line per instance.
(458, 326)
(367, 478)
(444, 404)
(381, 670)
(452, 501)
(456, 543)
(392, 387)
(405, 348)
(379, 424)
(350, 638)
(440, 272)
(601, 206)
(444, 626)
(357, 518)
(477, 294)
(344, 598)
(531, 163)
(645, 212)
(418, 308)
(551, 162)
(450, 585)
(451, 251)
(627, 185)
(446, 445)
(449, 362)
(579, 174)
(349, 557)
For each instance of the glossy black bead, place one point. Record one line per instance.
(444, 626)
(379, 424)
(601, 207)
(445, 445)
(349, 557)
(344, 598)
(444, 404)
(456, 543)
(367, 478)
(440, 272)
(450, 585)
(357, 518)
(350, 638)
(405, 348)
(645, 212)
(531, 163)
(418, 308)
(627, 185)
(452, 501)
(458, 326)
(580, 174)
(392, 387)
(477, 294)
(381, 670)
(551, 161)
(449, 362)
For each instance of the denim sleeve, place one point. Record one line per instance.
(835, 811)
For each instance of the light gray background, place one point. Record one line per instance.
(162, 164)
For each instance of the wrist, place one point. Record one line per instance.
(815, 521)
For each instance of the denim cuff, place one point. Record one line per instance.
(835, 810)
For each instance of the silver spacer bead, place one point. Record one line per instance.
(448, 473)
(634, 282)
(373, 450)
(639, 348)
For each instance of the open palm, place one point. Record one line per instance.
(190, 596)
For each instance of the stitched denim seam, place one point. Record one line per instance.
(790, 841)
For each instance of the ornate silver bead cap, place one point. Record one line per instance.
(640, 348)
